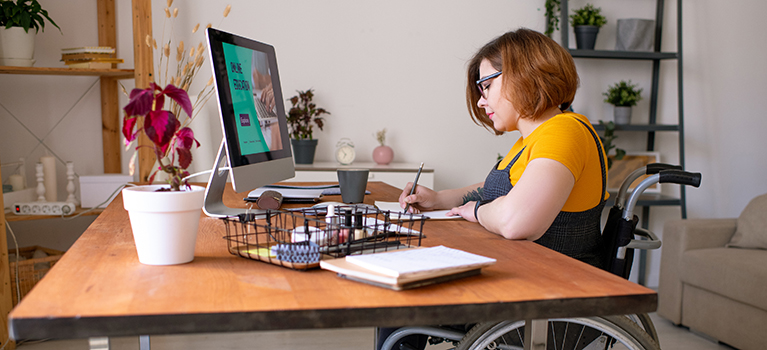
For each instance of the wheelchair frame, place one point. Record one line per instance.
(634, 331)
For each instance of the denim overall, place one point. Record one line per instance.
(575, 234)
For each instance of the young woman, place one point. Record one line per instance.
(550, 187)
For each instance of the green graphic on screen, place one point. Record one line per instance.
(238, 66)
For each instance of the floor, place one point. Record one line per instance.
(671, 337)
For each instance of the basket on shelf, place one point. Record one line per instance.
(300, 239)
(31, 270)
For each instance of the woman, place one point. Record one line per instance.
(550, 187)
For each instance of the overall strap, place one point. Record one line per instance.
(601, 158)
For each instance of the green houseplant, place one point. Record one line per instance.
(17, 43)
(607, 143)
(302, 117)
(623, 95)
(586, 22)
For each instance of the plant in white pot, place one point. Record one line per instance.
(623, 95)
(586, 22)
(164, 218)
(301, 118)
(17, 43)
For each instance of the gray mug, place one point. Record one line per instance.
(353, 183)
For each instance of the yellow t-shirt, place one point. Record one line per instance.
(566, 140)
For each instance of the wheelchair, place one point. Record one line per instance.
(620, 237)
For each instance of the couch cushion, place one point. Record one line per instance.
(752, 225)
(740, 274)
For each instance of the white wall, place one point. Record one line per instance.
(400, 65)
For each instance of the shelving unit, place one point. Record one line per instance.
(647, 200)
(110, 116)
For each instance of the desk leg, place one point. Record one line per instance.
(535, 334)
(143, 342)
(101, 343)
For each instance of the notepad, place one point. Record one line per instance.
(434, 215)
(411, 262)
(408, 268)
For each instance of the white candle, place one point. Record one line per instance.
(17, 182)
(49, 178)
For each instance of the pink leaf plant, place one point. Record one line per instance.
(169, 139)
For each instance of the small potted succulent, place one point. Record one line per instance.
(586, 22)
(382, 154)
(17, 43)
(623, 95)
(302, 117)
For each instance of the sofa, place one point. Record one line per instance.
(713, 276)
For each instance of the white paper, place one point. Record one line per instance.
(414, 261)
(436, 214)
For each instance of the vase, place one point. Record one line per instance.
(383, 155)
(164, 224)
(303, 150)
(635, 34)
(17, 47)
(622, 114)
(585, 37)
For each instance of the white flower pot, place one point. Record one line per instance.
(17, 47)
(622, 114)
(164, 224)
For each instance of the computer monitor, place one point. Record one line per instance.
(250, 102)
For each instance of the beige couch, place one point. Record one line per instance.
(713, 276)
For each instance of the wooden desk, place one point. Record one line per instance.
(99, 288)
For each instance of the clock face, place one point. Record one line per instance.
(345, 154)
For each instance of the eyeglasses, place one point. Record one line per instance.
(482, 86)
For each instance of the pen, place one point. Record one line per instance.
(415, 183)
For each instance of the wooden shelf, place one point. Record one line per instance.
(11, 217)
(623, 55)
(113, 73)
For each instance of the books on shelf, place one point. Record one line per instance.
(89, 49)
(92, 57)
(408, 268)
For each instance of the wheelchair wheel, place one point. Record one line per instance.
(590, 333)
(644, 322)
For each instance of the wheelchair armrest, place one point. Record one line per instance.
(652, 241)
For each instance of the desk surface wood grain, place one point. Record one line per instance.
(99, 288)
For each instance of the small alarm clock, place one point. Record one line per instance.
(345, 153)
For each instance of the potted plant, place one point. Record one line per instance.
(17, 43)
(164, 218)
(382, 154)
(302, 117)
(552, 16)
(607, 143)
(623, 95)
(586, 22)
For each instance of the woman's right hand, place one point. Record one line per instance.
(423, 199)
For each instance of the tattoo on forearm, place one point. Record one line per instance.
(473, 195)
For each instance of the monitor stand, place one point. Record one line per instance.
(214, 194)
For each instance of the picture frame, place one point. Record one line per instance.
(624, 167)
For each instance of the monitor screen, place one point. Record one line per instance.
(252, 111)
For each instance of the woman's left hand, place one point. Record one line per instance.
(465, 211)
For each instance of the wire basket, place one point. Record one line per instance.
(300, 239)
(31, 270)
